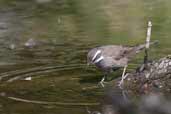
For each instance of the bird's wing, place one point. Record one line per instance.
(116, 51)
(124, 52)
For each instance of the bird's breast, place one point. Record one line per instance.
(104, 65)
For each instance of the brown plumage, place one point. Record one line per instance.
(112, 57)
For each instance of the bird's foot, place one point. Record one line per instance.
(121, 84)
(102, 83)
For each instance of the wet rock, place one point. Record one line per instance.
(3, 94)
(157, 75)
(161, 65)
(156, 64)
(12, 46)
(147, 75)
(170, 63)
(166, 61)
(28, 78)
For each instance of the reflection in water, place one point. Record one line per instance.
(115, 103)
(62, 32)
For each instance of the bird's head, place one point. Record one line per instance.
(94, 56)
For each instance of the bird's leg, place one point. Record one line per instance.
(103, 79)
(123, 76)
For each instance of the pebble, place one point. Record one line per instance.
(129, 79)
(151, 70)
(147, 75)
(28, 78)
(162, 71)
(170, 63)
(166, 61)
(161, 64)
(167, 64)
(160, 86)
(156, 64)
(30, 43)
(165, 70)
(12, 46)
(2, 94)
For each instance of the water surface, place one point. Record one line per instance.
(63, 31)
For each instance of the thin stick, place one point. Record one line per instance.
(52, 103)
(148, 35)
(147, 41)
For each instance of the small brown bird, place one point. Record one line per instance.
(112, 57)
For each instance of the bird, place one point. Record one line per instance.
(109, 58)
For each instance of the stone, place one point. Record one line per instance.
(161, 64)
(170, 63)
(147, 75)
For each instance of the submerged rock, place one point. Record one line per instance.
(30, 43)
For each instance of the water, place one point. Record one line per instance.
(61, 33)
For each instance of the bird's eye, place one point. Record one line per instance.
(98, 59)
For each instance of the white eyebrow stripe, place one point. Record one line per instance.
(99, 59)
(95, 55)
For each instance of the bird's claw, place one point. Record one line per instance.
(121, 84)
(102, 83)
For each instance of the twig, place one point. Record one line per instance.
(147, 41)
(148, 35)
(52, 103)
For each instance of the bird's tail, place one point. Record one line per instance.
(138, 48)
